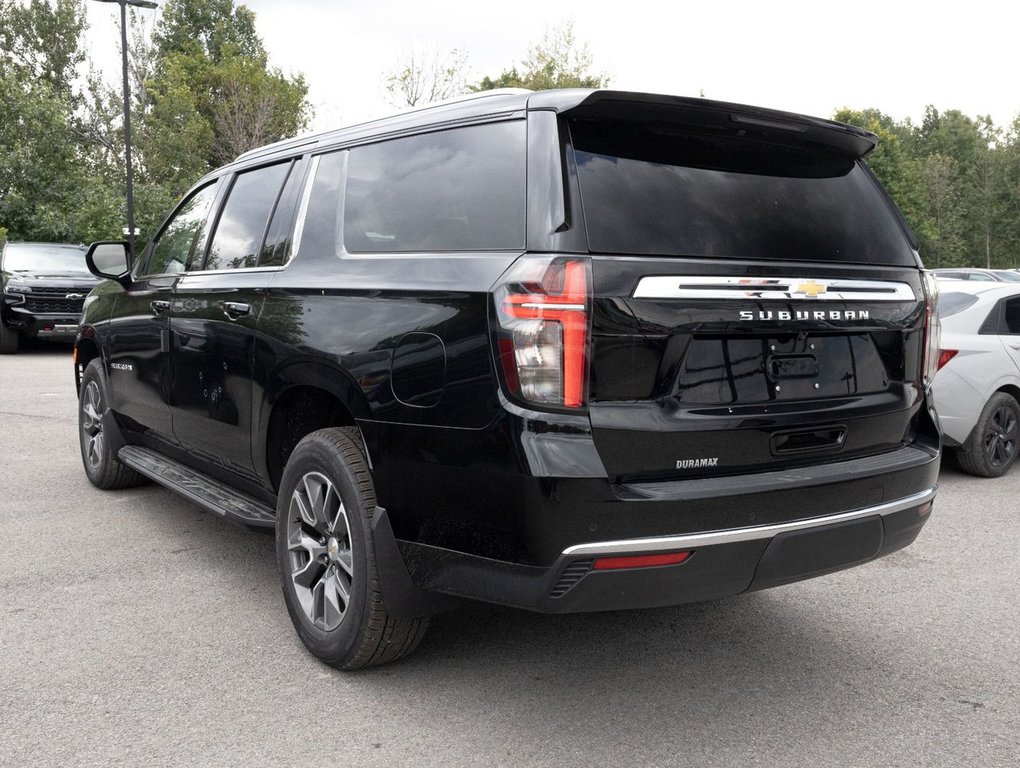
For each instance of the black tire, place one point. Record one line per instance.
(994, 444)
(8, 339)
(324, 549)
(104, 470)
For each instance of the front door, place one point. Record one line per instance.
(140, 371)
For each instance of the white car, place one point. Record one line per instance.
(981, 275)
(977, 388)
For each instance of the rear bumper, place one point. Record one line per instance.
(722, 563)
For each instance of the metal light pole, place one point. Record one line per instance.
(127, 113)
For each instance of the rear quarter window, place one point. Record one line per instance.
(954, 303)
(456, 190)
(1012, 316)
(654, 189)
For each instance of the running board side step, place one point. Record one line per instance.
(208, 493)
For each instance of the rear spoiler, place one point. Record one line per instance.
(706, 116)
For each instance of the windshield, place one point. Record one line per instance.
(32, 257)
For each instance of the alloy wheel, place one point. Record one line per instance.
(319, 544)
(92, 425)
(1001, 437)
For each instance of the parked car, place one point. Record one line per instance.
(980, 275)
(565, 351)
(43, 287)
(977, 389)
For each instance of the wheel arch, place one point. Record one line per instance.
(1012, 390)
(305, 397)
(86, 349)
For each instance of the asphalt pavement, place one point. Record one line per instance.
(137, 630)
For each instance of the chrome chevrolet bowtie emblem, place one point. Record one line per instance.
(74, 296)
(810, 288)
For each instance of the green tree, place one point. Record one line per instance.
(555, 62)
(894, 164)
(51, 182)
(1009, 194)
(256, 105)
(204, 93)
(955, 179)
(214, 28)
(939, 175)
(43, 39)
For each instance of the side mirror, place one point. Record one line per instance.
(110, 259)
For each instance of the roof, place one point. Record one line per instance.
(705, 114)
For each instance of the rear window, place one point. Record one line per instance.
(654, 189)
(953, 303)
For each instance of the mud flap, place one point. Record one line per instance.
(402, 597)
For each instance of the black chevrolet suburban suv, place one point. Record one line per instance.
(564, 351)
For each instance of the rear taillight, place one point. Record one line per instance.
(945, 355)
(932, 327)
(543, 305)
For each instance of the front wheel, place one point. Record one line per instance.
(104, 469)
(326, 558)
(993, 445)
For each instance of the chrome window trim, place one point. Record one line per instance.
(770, 289)
(306, 193)
(735, 535)
(226, 270)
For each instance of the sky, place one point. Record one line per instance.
(810, 57)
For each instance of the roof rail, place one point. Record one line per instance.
(311, 137)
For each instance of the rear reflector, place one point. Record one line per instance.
(639, 561)
(945, 355)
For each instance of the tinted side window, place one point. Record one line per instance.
(318, 231)
(175, 245)
(1012, 316)
(456, 190)
(655, 189)
(242, 225)
(276, 249)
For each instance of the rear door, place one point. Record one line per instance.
(1011, 328)
(215, 312)
(757, 301)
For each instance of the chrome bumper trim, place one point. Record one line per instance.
(732, 536)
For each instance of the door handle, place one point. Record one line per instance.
(159, 306)
(235, 309)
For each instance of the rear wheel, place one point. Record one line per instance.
(326, 557)
(8, 339)
(992, 447)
